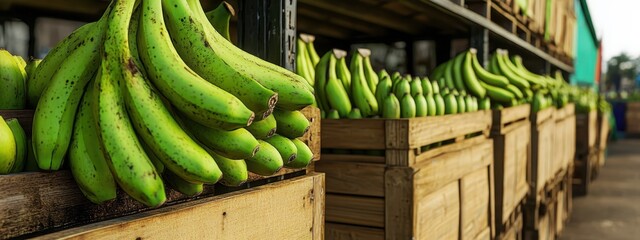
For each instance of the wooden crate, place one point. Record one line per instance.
(603, 137)
(563, 203)
(586, 132)
(543, 221)
(632, 117)
(53, 201)
(290, 209)
(387, 188)
(514, 226)
(511, 133)
(564, 138)
(582, 171)
(542, 135)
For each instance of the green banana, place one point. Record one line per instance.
(469, 76)
(12, 90)
(355, 114)
(39, 80)
(320, 82)
(462, 106)
(336, 95)
(498, 94)
(293, 91)
(407, 107)
(86, 161)
(128, 162)
(422, 107)
(448, 75)
(313, 55)
(285, 147)
(402, 87)
(437, 72)
(193, 96)
(457, 70)
(267, 160)
(383, 89)
(440, 104)
(303, 157)
(234, 144)
(431, 105)
(234, 172)
(391, 107)
(343, 73)
(31, 67)
(450, 104)
(21, 145)
(511, 76)
(264, 128)
(183, 186)
(416, 86)
(362, 96)
(8, 151)
(382, 74)
(54, 115)
(469, 104)
(394, 76)
(515, 90)
(493, 65)
(484, 104)
(21, 64)
(302, 68)
(486, 76)
(292, 124)
(538, 103)
(427, 88)
(533, 80)
(369, 73)
(527, 94)
(436, 87)
(154, 159)
(220, 17)
(333, 114)
(154, 122)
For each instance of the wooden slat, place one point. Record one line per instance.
(353, 158)
(283, 210)
(474, 204)
(353, 133)
(428, 130)
(439, 171)
(364, 211)
(399, 201)
(511, 114)
(335, 231)
(364, 179)
(542, 115)
(437, 214)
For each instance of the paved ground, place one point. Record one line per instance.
(612, 208)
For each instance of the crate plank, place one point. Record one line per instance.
(335, 231)
(283, 210)
(364, 179)
(364, 211)
(312, 137)
(474, 204)
(353, 134)
(438, 214)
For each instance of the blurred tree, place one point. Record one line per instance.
(619, 67)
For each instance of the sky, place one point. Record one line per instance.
(617, 24)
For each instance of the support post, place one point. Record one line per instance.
(479, 39)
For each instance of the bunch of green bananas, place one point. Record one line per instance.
(155, 91)
(306, 58)
(14, 74)
(357, 91)
(587, 100)
(13, 153)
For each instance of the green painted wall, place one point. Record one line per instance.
(586, 49)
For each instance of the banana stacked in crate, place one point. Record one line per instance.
(154, 93)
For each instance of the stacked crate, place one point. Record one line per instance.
(586, 151)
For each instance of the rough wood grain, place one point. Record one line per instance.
(363, 211)
(353, 134)
(474, 204)
(510, 115)
(353, 158)
(428, 130)
(335, 231)
(438, 214)
(312, 137)
(364, 179)
(277, 211)
(399, 203)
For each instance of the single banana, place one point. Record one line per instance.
(264, 128)
(40, 78)
(355, 114)
(533, 80)
(469, 76)
(8, 151)
(407, 107)
(333, 114)
(416, 86)
(286, 148)
(436, 87)
(391, 107)
(440, 105)
(498, 94)
(234, 172)
(383, 89)
(220, 17)
(22, 64)
(12, 90)
(515, 90)
(431, 105)
(54, 115)
(362, 96)
(21, 145)
(292, 124)
(462, 106)
(382, 74)
(448, 74)
(422, 108)
(402, 87)
(303, 156)
(313, 55)
(31, 67)
(511, 76)
(293, 91)
(128, 162)
(183, 186)
(302, 68)
(450, 104)
(484, 104)
(336, 95)
(343, 73)
(86, 160)
(427, 88)
(457, 69)
(234, 144)
(267, 160)
(187, 91)
(369, 73)
(320, 82)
